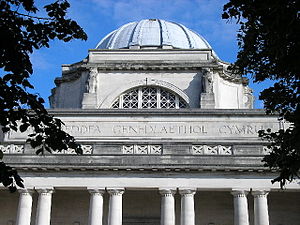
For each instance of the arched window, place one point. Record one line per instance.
(149, 98)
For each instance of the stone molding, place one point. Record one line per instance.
(12, 149)
(211, 150)
(150, 168)
(191, 112)
(140, 149)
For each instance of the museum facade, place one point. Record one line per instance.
(169, 136)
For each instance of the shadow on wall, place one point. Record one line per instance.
(194, 90)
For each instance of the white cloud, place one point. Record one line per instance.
(203, 16)
(40, 61)
(124, 10)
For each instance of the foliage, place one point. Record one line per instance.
(9, 177)
(22, 31)
(269, 48)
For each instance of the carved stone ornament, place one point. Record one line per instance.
(142, 149)
(12, 149)
(211, 150)
(248, 97)
(91, 83)
(86, 149)
(266, 150)
(70, 76)
(207, 82)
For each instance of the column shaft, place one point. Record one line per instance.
(261, 215)
(167, 207)
(241, 215)
(24, 207)
(115, 206)
(96, 207)
(187, 207)
(43, 215)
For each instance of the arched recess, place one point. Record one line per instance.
(108, 101)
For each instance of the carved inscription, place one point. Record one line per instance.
(240, 129)
(159, 129)
(83, 129)
(165, 129)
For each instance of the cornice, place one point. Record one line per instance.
(235, 78)
(145, 169)
(74, 71)
(139, 65)
(159, 50)
(161, 112)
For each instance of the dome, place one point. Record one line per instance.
(153, 33)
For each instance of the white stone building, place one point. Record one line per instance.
(169, 137)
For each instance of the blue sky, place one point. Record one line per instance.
(99, 17)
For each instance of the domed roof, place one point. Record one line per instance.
(153, 33)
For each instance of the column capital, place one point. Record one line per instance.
(95, 191)
(45, 191)
(167, 191)
(25, 191)
(260, 193)
(237, 193)
(115, 191)
(187, 191)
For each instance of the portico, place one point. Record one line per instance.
(110, 210)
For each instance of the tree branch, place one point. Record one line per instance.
(33, 17)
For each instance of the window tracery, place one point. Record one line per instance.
(149, 98)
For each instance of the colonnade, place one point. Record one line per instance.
(187, 213)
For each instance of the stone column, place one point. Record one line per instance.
(187, 207)
(96, 206)
(24, 207)
(167, 216)
(241, 215)
(261, 215)
(43, 212)
(115, 206)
